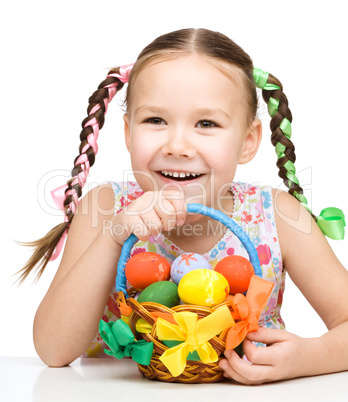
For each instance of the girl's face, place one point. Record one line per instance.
(188, 119)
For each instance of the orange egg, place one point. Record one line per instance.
(143, 269)
(238, 272)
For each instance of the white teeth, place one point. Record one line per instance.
(177, 174)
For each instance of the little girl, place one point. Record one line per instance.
(190, 120)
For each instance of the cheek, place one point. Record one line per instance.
(141, 154)
(225, 154)
(141, 150)
(225, 161)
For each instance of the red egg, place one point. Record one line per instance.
(238, 272)
(143, 269)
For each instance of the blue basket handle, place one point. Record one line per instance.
(121, 279)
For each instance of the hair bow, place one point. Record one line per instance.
(332, 222)
(124, 74)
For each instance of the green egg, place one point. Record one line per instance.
(164, 292)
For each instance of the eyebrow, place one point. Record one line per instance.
(202, 111)
(149, 108)
(213, 111)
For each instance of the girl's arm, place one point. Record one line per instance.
(67, 319)
(68, 316)
(323, 280)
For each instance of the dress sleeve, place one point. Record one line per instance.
(125, 193)
(119, 199)
(271, 227)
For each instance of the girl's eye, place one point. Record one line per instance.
(206, 124)
(155, 120)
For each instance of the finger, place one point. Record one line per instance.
(230, 373)
(177, 199)
(234, 369)
(140, 230)
(152, 222)
(268, 335)
(129, 224)
(259, 354)
(248, 373)
(167, 214)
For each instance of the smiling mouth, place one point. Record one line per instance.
(179, 176)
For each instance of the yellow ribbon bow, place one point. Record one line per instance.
(195, 335)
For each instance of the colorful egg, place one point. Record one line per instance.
(165, 293)
(203, 287)
(238, 272)
(185, 263)
(143, 269)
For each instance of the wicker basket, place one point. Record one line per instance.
(195, 371)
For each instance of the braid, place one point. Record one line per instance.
(98, 105)
(281, 118)
(67, 196)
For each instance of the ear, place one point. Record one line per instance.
(127, 136)
(252, 142)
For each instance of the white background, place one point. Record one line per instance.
(55, 54)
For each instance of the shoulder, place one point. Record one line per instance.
(296, 227)
(95, 208)
(108, 198)
(290, 214)
(102, 196)
(98, 201)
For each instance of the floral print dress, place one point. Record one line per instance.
(253, 211)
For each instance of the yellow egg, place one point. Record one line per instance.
(203, 287)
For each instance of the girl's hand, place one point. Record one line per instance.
(283, 358)
(149, 214)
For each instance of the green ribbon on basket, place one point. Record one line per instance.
(120, 339)
(332, 222)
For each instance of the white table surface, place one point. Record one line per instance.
(28, 379)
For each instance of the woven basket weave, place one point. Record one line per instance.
(195, 371)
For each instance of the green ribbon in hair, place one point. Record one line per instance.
(331, 220)
(301, 198)
(273, 105)
(260, 78)
(120, 339)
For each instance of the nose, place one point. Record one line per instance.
(178, 145)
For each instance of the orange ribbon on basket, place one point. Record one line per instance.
(125, 309)
(247, 309)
